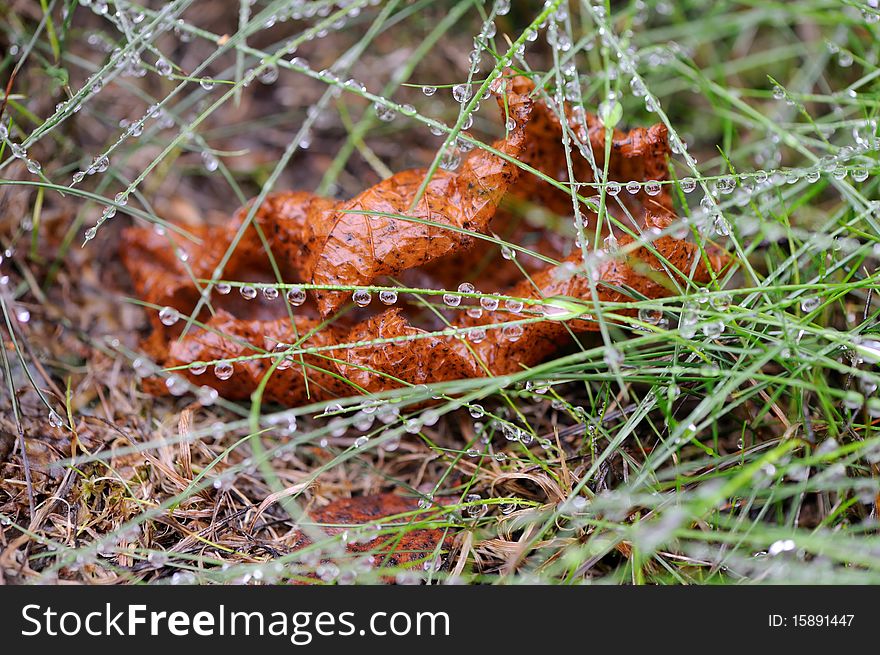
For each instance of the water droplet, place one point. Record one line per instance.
(163, 66)
(476, 335)
(859, 174)
(270, 293)
(475, 510)
(461, 92)
(210, 162)
(388, 297)
(361, 297)
(361, 441)
(33, 166)
(451, 299)
(383, 112)
(176, 385)
(223, 370)
(513, 305)
(781, 546)
(508, 253)
(206, 83)
(810, 303)
(429, 90)
(223, 288)
(713, 329)
(248, 292)
(651, 315)
(489, 304)
(55, 419)
(207, 395)
(721, 226)
(296, 296)
(612, 188)
(169, 316)
(687, 184)
(512, 332)
(633, 187)
(268, 74)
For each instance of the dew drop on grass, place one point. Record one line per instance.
(412, 425)
(361, 441)
(461, 92)
(210, 162)
(476, 335)
(248, 292)
(810, 303)
(223, 370)
(429, 90)
(688, 184)
(55, 419)
(713, 329)
(168, 316)
(296, 296)
(223, 289)
(633, 187)
(176, 385)
(197, 368)
(721, 226)
(859, 174)
(361, 297)
(475, 511)
(207, 395)
(362, 421)
(388, 297)
(612, 188)
(332, 408)
(476, 411)
(163, 66)
(270, 293)
(206, 83)
(450, 160)
(451, 299)
(512, 333)
(33, 166)
(383, 112)
(268, 74)
(650, 315)
(489, 304)
(513, 305)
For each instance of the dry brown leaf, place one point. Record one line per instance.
(376, 235)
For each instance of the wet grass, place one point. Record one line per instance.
(728, 434)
